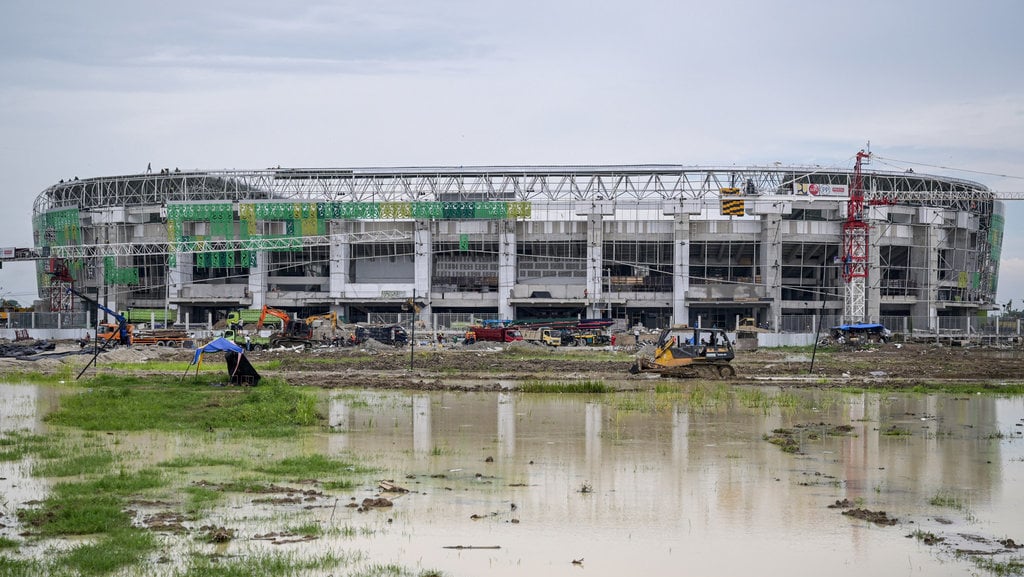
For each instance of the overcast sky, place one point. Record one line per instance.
(103, 88)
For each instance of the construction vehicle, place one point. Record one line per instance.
(255, 342)
(324, 326)
(496, 334)
(117, 334)
(544, 335)
(688, 352)
(857, 334)
(387, 334)
(159, 337)
(248, 317)
(293, 333)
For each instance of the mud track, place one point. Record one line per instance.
(461, 369)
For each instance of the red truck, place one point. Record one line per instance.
(498, 334)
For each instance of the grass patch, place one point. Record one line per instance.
(199, 499)
(16, 445)
(121, 548)
(71, 465)
(20, 567)
(895, 431)
(89, 507)
(163, 403)
(8, 543)
(999, 568)
(200, 461)
(306, 530)
(535, 386)
(264, 565)
(341, 485)
(946, 499)
(310, 467)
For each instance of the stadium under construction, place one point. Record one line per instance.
(650, 245)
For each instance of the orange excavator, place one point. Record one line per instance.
(293, 332)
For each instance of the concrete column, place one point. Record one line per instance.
(340, 255)
(595, 265)
(925, 267)
(874, 289)
(506, 267)
(771, 266)
(680, 269)
(423, 265)
(258, 280)
(595, 213)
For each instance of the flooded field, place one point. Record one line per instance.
(695, 479)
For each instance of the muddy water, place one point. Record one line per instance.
(640, 483)
(678, 489)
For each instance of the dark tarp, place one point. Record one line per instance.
(240, 370)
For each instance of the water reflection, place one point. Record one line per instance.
(681, 484)
(628, 482)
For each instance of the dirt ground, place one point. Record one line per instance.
(492, 367)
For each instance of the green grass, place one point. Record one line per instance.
(83, 463)
(276, 564)
(200, 499)
(535, 386)
(310, 467)
(946, 499)
(95, 506)
(8, 543)
(306, 530)
(20, 567)
(895, 431)
(999, 568)
(121, 548)
(16, 445)
(200, 461)
(163, 403)
(179, 367)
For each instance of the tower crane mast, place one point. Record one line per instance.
(856, 233)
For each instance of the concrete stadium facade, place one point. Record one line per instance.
(644, 244)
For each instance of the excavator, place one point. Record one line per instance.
(331, 317)
(293, 332)
(688, 352)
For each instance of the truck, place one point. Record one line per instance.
(160, 337)
(496, 334)
(249, 317)
(545, 335)
(387, 334)
(255, 343)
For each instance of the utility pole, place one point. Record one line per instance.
(412, 349)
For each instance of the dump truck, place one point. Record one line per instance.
(387, 334)
(545, 335)
(249, 317)
(255, 343)
(688, 352)
(496, 334)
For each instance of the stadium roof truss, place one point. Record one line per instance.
(642, 185)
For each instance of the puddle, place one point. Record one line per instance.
(524, 484)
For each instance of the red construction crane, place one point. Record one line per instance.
(856, 233)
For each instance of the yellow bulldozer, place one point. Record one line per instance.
(688, 352)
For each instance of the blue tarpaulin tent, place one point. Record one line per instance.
(217, 346)
(240, 371)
